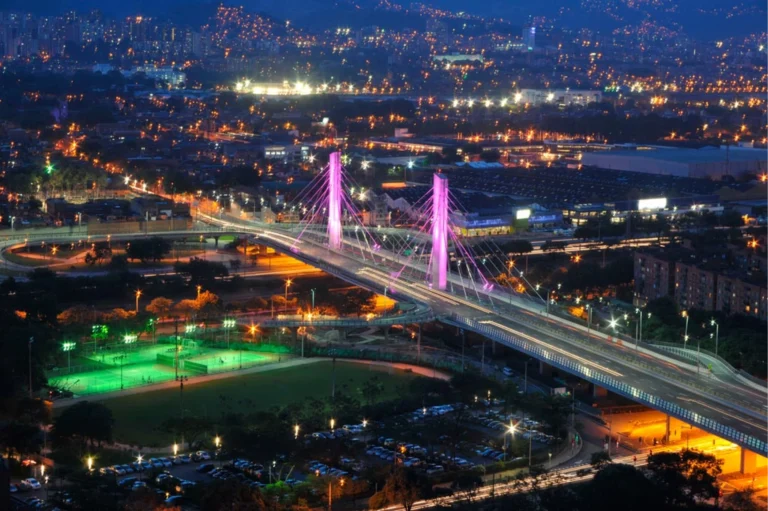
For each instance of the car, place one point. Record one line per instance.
(183, 458)
(118, 470)
(138, 485)
(32, 501)
(137, 467)
(156, 463)
(32, 483)
(127, 468)
(174, 501)
(201, 456)
(126, 482)
(14, 488)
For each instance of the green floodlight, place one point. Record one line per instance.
(68, 346)
(190, 328)
(130, 338)
(229, 323)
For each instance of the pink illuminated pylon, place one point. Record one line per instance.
(334, 201)
(440, 231)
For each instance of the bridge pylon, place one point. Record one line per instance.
(334, 201)
(439, 259)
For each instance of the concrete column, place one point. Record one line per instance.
(386, 333)
(545, 369)
(493, 347)
(598, 391)
(216, 242)
(748, 462)
(295, 334)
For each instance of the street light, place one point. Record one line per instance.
(685, 337)
(89, 463)
(296, 432)
(139, 460)
(333, 425)
(287, 285)
(199, 289)
(715, 324)
(313, 298)
(138, 294)
(68, 347)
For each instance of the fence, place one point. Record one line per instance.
(376, 355)
(195, 367)
(743, 439)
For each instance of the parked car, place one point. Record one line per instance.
(32, 483)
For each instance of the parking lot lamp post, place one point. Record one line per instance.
(685, 337)
(138, 294)
(296, 432)
(550, 461)
(217, 443)
(139, 460)
(333, 425)
(89, 463)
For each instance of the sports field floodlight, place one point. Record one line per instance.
(190, 328)
(130, 338)
(68, 346)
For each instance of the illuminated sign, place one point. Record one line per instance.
(522, 214)
(652, 203)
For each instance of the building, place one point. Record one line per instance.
(529, 37)
(563, 97)
(708, 162)
(456, 57)
(654, 276)
(694, 287)
(741, 294)
(167, 74)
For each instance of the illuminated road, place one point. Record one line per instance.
(732, 406)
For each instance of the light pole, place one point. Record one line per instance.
(287, 285)
(589, 318)
(139, 460)
(138, 294)
(685, 337)
(199, 289)
(89, 464)
(313, 298)
(715, 324)
(68, 347)
(228, 324)
(217, 443)
(296, 432)
(31, 340)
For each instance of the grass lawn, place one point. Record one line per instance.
(137, 417)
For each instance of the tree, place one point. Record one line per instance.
(20, 438)
(686, 476)
(85, 422)
(742, 500)
(402, 487)
(467, 485)
(621, 483)
(517, 247)
(201, 271)
(189, 428)
(371, 390)
(160, 307)
(148, 249)
(600, 459)
(229, 495)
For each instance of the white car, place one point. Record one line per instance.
(32, 483)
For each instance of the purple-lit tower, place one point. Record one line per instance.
(334, 201)
(439, 231)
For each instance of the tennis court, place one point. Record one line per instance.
(138, 365)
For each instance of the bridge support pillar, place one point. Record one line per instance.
(386, 333)
(674, 429)
(216, 242)
(598, 391)
(439, 260)
(544, 368)
(748, 462)
(334, 201)
(295, 334)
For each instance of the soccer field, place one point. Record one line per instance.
(138, 416)
(138, 366)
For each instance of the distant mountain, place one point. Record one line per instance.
(701, 19)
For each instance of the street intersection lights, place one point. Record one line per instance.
(68, 347)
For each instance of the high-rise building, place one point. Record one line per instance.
(529, 37)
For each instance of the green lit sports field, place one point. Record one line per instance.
(135, 367)
(138, 416)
